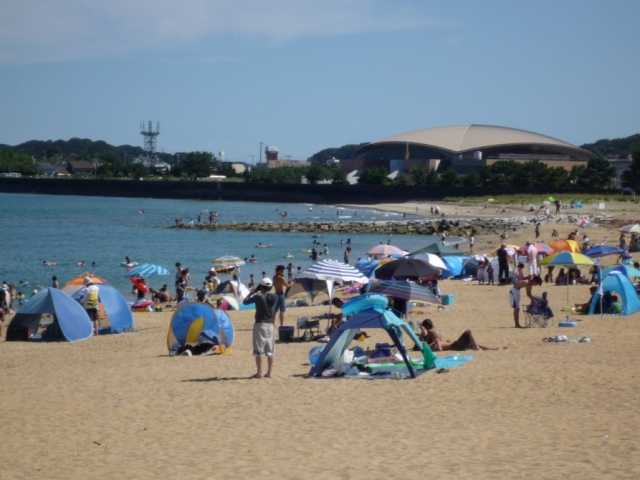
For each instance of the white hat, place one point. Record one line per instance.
(87, 280)
(266, 282)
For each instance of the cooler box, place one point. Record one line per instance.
(447, 299)
(286, 334)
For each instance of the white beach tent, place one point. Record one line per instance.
(333, 271)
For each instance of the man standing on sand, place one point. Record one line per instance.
(503, 264)
(519, 281)
(263, 334)
(280, 285)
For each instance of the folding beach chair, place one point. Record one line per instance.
(537, 313)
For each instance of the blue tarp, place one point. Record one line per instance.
(618, 283)
(455, 265)
(115, 306)
(70, 316)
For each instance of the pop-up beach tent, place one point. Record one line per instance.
(193, 319)
(115, 314)
(439, 248)
(370, 312)
(618, 283)
(50, 314)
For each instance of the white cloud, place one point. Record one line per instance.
(46, 30)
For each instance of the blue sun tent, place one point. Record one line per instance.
(617, 283)
(117, 315)
(194, 319)
(455, 265)
(51, 314)
(371, 312)
(628, 270)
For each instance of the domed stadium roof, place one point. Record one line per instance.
(463, 138)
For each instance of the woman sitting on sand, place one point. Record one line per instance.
(464, 342)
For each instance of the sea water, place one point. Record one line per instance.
(67, 230)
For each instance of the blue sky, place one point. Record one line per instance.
(308, 74)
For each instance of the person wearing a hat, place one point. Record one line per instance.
(263, 329)
(212, 280)
(91, 300)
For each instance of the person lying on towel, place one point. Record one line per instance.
(465, 341)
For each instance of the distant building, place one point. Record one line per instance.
(82, 167)
(272, 156)
(52, 170)
(465, 148)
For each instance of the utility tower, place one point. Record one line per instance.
(150, 136)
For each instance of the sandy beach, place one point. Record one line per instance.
(117, 406)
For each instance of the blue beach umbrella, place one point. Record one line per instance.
(147, 270)
(602, 251)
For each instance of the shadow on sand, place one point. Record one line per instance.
(219, 379)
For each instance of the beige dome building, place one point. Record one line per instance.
(466, 148)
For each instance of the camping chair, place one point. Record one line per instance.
(537, 313)
(309, 328)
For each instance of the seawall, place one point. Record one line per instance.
(234, 191)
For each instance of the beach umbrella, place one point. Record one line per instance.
(632, 228)
(383, 250)
(598, 251)
(227, 262)
(432, 260)
(76, 283)
(406, 268)
(565, 246)
(567, 259)
(333, 271)
(147, 270)
(405, 290)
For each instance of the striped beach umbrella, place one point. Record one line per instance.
(147, 270)
(334, 270)
(405, 290)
